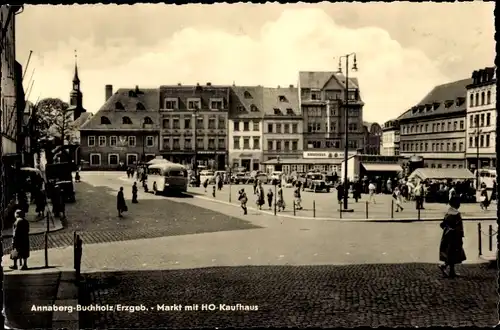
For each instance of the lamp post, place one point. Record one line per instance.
(195, 157)
(275, 187)
(144, 141)
(346, 107)
(478, 161)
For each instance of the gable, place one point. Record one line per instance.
(333, 84)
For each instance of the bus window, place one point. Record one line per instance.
(178, 173)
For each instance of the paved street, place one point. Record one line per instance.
(326, 205)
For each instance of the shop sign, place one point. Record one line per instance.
(325, 154)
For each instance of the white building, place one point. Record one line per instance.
(481, 119)
(390, 139)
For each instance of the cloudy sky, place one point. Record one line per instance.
(403, 49)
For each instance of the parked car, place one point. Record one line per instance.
(207, 175)
(241, 178)
(261, 176)
(316, 182)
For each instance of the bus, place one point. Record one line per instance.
(487, 176)
(169, 177)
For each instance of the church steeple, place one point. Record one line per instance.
(76, 80)
(76, 96)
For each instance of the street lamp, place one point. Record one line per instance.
(195, 157)
(346, 143)
(275, 187)
(144, 140)
(478, 162)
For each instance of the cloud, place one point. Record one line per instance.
(392, 78)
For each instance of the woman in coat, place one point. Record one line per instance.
(120, 203)
(20, 241)
(260, 196)
(451, 250)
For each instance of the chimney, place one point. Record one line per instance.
(179, 84)
(279, 86)
(108, 92)
(209, 84)
(136, 89)
(291, 86)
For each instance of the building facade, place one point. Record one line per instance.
(283, 130)
(194, 122)
(125, 131)
(372, 138)
(246, 116)
(389, 145)
(435, 128)
(481, 119)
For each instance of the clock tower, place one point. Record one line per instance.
(76, 96)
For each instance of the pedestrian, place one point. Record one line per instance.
(340, 192)
(372, 190)
(128, 172)
(20, 241)
(451, 250)
(297, 199)
(134, 193)
(270, 196)
(483, 199)
(357, 191)
(77, 176)
(396, 195)
(213, 191)
(40, 203)
(260, 196)
(418, 192)
(56, 200)
(62, 204)
(255, 185)
(205, 185)
(243, 200)
(120, 203)
(155, 188)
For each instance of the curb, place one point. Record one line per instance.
(56, 229)
(405, 220)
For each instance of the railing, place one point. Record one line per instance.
(489, 235)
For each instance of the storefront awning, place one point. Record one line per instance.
(441, 173)
(382, 167)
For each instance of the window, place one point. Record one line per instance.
(481, 143)
(187, 123)
(113, 159)
(119, 106)
(461, 124)
(148, 121)
(448, 146)
(277, 111)
(454, 147)
(461, 146)
(247, 95)
(488, 97)
(439, 166)
(482, 98)
(95, 159)
(187, 144)
(295, 128)
(353, 144)
(105, 121)
(246, 143)
(477, 99)
(102, 141)
(487, 140)
(287, 145)
(488, 119)
(476, 121)
(166, 123)
(253, 108)
(211, 123)
(353, 127)
(269, 128)
(194, 104)
(150, 141)
(140, 106)
(455, 125)
(126, 121)
(199, 123)
(166, 143)
(216, 104)
(170, 104)
(211, 144)
(176, 144)
(222, 122)
(278, 145)
(131, 141)
(282, 98)
(256, 143)
(236, 142)
(286, 128)
(278, 128)
(176, 123)
(426, 146)
(442, 147)
(255, 126)
(471, 101)
(246, 126)
(289, 111)
(295, 145)
(426, 127)
(442, 127)
(91, 141)
(131, 159)
(236, 127)
(200, 143)
(113, 140)
(482, 119)
(449, 126)
(269, 145)
(476, 141)
(221, 143)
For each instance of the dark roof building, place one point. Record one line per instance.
(246, 102)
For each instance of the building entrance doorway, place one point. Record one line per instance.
(246, 164)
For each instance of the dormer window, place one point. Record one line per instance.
(216, 104)
(253, 108)
(448, 103)
(289, 111)
(240, 108)
(247, 95)
(126, 121)
(105, 121)
(171, 104)
(277, 111)
(194, 103)
(428, 107)
(140, 106)
(435, 105)
(132, 94)
(414, 110)
(282, 98)
(421, 108)
(148, 121)
(119, 106)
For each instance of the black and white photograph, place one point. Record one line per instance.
(248, 165)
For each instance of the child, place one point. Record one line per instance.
(270, 196)
(243, 200)
(213, 191)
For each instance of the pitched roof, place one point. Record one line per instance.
(434, 103)
(283, 99)
(318, 79)
(84, 117)
(128, 98)
(246, 96)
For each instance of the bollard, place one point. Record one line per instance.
(479, 239)
(314, 209)
(294, 208)
(79, 250)
(366, 209)
(340, 209)
(418, 213)
(392, 209)
(46, 249)
(490, 237)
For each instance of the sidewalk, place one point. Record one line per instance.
(37, 226)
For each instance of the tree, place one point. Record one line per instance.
(55, 120)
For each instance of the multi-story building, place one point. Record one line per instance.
(481, 119)
(124, 131)
(246, 117)
(372, 137)
(283, 132)
(194, 122)
(435, 128)
(390, 139)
